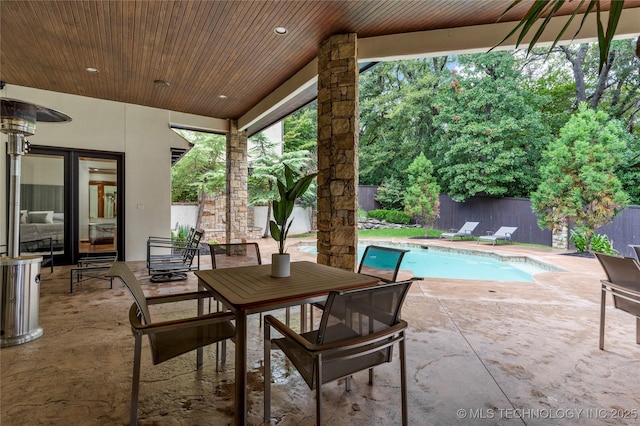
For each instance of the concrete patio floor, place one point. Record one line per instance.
(479, 352)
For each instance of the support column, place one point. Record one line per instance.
(338, 121)
(237, 194)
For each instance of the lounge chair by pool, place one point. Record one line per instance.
(504, 233)
(465, 232)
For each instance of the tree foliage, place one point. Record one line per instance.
(490, 131)
(578, 174)
(422, 197)
(268, 167)
(396, 116)
(202, 170)
(484, 126)
(390, 194)
(301, 129)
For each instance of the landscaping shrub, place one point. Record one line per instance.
(599, 243)
(391, 216)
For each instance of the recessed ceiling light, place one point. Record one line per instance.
(280, 30)
(222, 96)
(91, 69)
(161, 83)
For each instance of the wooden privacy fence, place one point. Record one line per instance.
(492, 213)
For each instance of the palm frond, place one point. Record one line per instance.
(542, 11)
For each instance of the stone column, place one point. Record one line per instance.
(237, 194)
(338, 118)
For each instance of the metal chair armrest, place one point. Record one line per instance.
(359, 341)
(621, 291)
(288, 333)
(138, 328)
(181, 297)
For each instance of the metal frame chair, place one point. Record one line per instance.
(230, 255)
(623, 282)
(379, 262)
(169, 259)
(168, 339)
(357, 332)
(92, 267)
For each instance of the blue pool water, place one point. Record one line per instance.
(440, 264)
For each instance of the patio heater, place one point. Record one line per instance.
(20, 274)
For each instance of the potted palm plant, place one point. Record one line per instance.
(289, 190)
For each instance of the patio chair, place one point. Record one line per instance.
(636, 249)
(169, 259)
(230, 255)
(465, 232)
(357, 332)
(623, 282)
(92, 267)
(379, 262)
(171, 338)
(234, 254)
(504, 233)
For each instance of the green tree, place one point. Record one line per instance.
(202, 170)
(390, 194)
(396, 116)
(422, 195)
(491, 131)
(578, 174)
(268, 168)
(301, 129)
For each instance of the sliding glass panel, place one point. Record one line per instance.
(98, 200)
(42, 204)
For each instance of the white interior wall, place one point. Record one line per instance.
(142, 133)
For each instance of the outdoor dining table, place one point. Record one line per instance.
(251, 289)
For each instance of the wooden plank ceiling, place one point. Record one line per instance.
(202, 49)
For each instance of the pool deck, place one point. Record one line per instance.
(479, 352)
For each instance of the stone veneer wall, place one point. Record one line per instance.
(560, 238)
(338, 111)
(237, 194)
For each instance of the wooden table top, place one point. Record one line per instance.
(252, 288)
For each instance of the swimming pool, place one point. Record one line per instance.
(433, 263)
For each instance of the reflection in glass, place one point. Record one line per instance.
(98, 204)
(42, 204)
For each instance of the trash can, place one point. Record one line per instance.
(20, 300)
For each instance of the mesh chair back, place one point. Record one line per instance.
(234, 254)
(624, 272)
(636, 249)
(193, 242)
(122, 271)
(381, 262)
(361, 312)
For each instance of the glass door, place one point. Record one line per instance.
(97, 207)
(71, 202)
(42, 205)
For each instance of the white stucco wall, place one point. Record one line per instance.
(142, 133)
(184, 215)
(301, 223)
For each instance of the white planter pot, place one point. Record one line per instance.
(280, 265)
